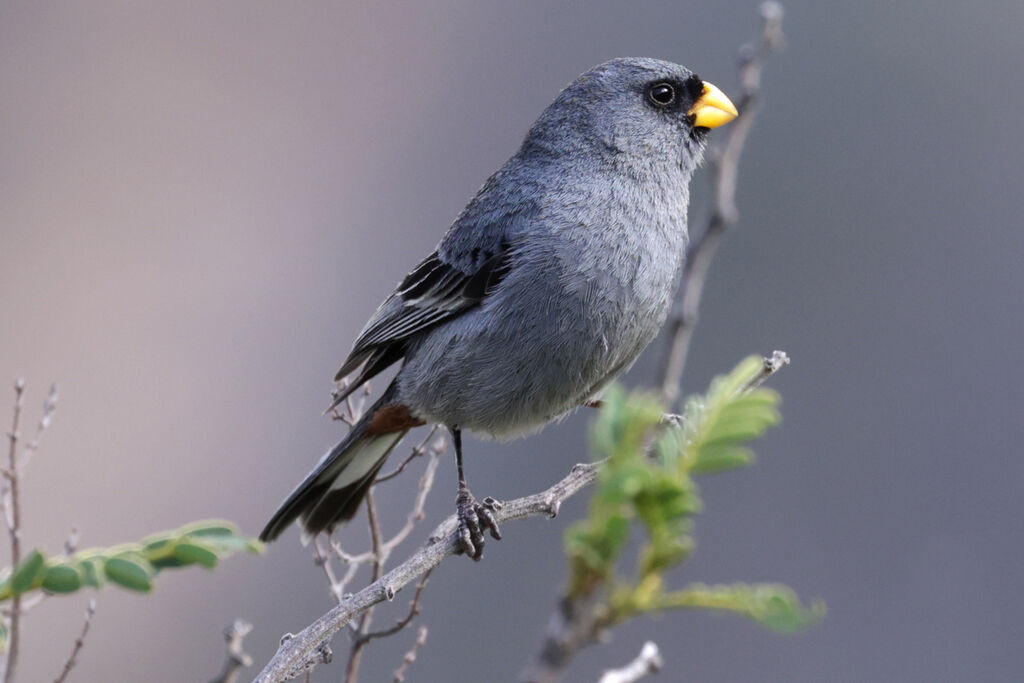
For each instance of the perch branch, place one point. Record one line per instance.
(414, 610)
(296, 652)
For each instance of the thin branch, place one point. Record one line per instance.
(350, 573)
(417, 513)
(570, 628)
(90, 612)
(236, 658)
(296, 652)
(355, 655)
(322, 558)
(772, 364)
(410, 656)
(49, 408)
(724, 213)
(12, 509)
(418, 450)
(649, 661)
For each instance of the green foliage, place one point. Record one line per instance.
(774, 606)
(131, 565)
(646, 483)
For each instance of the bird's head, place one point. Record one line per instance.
(634, 109)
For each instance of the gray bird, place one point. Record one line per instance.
(548, 285)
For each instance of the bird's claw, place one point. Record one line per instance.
(474, 519)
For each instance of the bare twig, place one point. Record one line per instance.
(10, 495)
(90, 612)
(649, 661)
(571, 627)
(322, 558)
(353, 566)
(12, 510)
(416, 514)
(772, 364)
(49, 408)
(236, 658)
(418, 450)
(71, 542)
(355, 655)
(292, 657)
(724, 213)
(410, 656)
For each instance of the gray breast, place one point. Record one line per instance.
(582, 300)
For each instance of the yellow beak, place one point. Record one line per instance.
(713, 108)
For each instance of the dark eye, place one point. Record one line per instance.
(662, 94)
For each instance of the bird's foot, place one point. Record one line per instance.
(474, 519)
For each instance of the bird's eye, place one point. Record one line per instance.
(662, 94)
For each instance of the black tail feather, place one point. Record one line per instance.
(339, 505)
(314, 502)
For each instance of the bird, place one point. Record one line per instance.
(546, 287)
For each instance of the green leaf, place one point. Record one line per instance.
(223, 537)
(713, 463)
(130, 565)
(157, 547)
(91, 569)
(774, 606)
(167, 560)
(780, 611)
(194, 552)
(62, 578)
(718, 425)
(209, 527)
(653, 486)
(131, 572)
(29, 573)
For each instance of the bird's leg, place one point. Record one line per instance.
(474, 517)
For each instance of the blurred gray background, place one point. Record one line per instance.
(201, 203)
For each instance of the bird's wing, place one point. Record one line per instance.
(435, 291)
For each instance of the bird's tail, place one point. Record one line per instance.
(332, 492)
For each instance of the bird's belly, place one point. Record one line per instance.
(507, 373)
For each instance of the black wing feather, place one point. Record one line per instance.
(434, 292)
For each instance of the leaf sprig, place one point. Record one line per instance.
(647, 484)
(130, 565)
